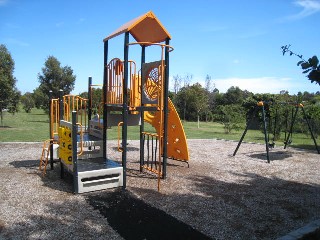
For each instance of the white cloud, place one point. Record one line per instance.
(309, 7)
(255, 84)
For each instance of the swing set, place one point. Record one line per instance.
(267, 123)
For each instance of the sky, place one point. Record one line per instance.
(235, 42)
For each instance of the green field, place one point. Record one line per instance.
(34, 127)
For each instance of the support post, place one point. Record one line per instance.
(313, 138)
(61, 112)
(143, 60)
(61, 106)
(50, 129)
(125, 109)
(245, 131)
(74, 133)
(291, 127)
(165, 109)
(265, 131)
(105, 84)
(89, 99)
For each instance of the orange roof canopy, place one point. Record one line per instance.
(146, 28)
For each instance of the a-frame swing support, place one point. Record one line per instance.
(259, 105)
(300, 106)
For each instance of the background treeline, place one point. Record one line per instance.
(233, 108)
(194, 101)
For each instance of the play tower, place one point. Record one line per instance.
(130, 98)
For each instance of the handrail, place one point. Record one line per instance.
(151, 43)
(119, 148)
(81, 140)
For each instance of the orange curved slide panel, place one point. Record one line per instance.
(177, 142)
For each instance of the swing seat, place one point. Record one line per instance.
(287, 143)
(271, 145)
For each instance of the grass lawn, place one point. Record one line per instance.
(25, 127)
(34, 127)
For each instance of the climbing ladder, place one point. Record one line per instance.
(45, 154)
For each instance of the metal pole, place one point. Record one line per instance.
(241, 139)
(74, 152)
(125, 109)
(61, 112)
(89, 99)
(105, 84)
(50, 129)
(165, 122)
(291, 127)
(265, 132)
(61, 106)
(143, 60)
(314, 139)
(275, 125)
(245, 131)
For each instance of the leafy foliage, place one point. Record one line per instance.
(192, 100)
(96, 99)
(53, 78)
(9, 95)
(310, 67)
(232, 116)
(27, 102)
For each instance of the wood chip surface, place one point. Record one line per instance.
(220, 195)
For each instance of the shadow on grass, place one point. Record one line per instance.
(4, 127)
(38, 114)
(38, 121)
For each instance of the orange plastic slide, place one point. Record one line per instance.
(177, 142)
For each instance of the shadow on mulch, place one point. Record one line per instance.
(279, 155)
(25, 163)
(129, 149)
(134, 219)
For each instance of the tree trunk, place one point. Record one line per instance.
(198, 121)
(1, 117)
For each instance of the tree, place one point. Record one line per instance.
(232, 116)
(9, 95)
(192, 102)
(200, 100)
(234, 95)
(209, 87)
(96, 98)
(39, 98)
(27, 102)
(177, 83)
(53, 78)
(310, 66)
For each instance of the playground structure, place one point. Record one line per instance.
(288, 137)
(79, 140)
